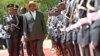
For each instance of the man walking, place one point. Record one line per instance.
(13, 26)
(34, 30)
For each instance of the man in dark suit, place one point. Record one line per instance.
(13, 26)
(35, 29)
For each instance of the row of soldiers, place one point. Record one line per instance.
(74, 27)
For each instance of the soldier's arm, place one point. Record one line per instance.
(81, 1)
(80, 5)
(89, 6)
(94, 16)
(4, 27)
(78, 24)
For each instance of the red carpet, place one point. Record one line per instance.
(46, 51)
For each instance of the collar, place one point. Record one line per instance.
(33, 11)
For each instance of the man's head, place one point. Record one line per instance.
(62, 6)
(23, 10)
(32, 5)
(12, 9)
(57, 12)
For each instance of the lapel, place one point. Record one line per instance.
(31, 22)
(30, 18)
(33, 17)
(36, 15)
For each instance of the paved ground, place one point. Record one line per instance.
(46, 45)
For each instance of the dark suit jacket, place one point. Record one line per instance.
(35, 29)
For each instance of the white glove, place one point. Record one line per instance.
(6, 27)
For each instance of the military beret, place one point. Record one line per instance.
(9, 6)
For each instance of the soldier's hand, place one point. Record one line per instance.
(24, 38)
(62, 29)
(12, 29)
(91, 44)
(81, 7)
(6, 27)
(68, 29)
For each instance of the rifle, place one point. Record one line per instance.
(72, 11)
(11, 26)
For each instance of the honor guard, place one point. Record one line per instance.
(13, 25)
(50, 28)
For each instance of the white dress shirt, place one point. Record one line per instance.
(9, 17)
(34, 14)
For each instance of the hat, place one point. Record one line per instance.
(32, 3)
(9, 6)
